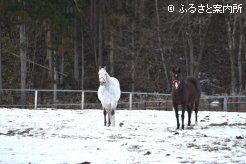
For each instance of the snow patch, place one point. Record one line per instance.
(146, 136)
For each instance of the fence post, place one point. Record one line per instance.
(82, 100)
(225, 104)
(36, 100)
(145, 104)
(130, 101)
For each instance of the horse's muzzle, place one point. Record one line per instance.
(102, 82)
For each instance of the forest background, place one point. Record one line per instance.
(51, 44)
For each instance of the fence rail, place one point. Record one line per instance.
(87, 99)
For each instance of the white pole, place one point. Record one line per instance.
(130, 101)
(36, 100)
(225, 104)
(82, 100)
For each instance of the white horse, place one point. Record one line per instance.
(109, 95)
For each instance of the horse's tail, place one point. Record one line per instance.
(196, 84)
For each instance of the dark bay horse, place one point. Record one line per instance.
(185, 92)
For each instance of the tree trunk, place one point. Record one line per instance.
(133, 65)
(191, 52)
(231, 50)
(55, 77)
(100, 26)
(94, 31)
(91, 14)
(133, 58)
(23, 62)
(133, 27)
(61, 68)
(160, 46)
(49, 51)
(186, 56)
(239, 59)
(111, 52)
(33, 66)
(82, 60)
(1, 85)
(203, 30)
(120, 31)
(23, 42)
(76, 60)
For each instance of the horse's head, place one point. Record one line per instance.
(102, 75)
(175, 78)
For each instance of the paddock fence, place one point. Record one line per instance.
(87, 99)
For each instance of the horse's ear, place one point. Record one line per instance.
(171, 74)
(105, 67)
(179, 70)
(100, 67)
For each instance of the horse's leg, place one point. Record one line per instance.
(183, 115)
(189, 110)
(109, 122)
(114, 105)
(109, 114)
(113, 116)
(176, 114)
(189, 114)
(196, 108)
(105, 113)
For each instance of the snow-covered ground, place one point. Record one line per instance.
(149, 136)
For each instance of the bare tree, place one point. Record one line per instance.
(240, 51)
(93, 29)
(62, 63)
(231, 26)
(55, 79)
(111, 51)
(49, 50)
(76, 59)
(133, 68)
(23, 43)
(204, 23)
(23, 62)
(82, 59)
(133, 61)
(160, 44)
(100, 31)
(1, 86)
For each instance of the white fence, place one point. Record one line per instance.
(87, 99)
